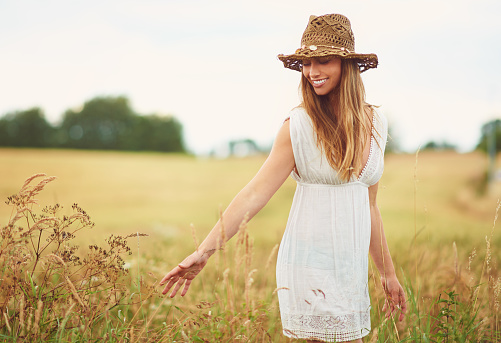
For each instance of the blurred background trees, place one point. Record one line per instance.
(102, 123)
(490, 143)
(26, 129)
(443, 145)
(491, 136)
(107, 123)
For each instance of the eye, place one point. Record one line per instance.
(324, 61)
(306, 63)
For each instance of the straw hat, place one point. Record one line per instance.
(328, 35)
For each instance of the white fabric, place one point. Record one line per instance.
(322, 264)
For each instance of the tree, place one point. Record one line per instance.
(432, 145)
(110, 123)
(490, 131)
(27, 128)
(102, 123)
(158, 133)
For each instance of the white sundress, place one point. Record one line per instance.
(322, 264)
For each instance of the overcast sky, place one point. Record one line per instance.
(212, 64)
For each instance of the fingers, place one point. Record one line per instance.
(395, 301)
(184, 273)
(171, 278)
(172, 274)
(403, 305)
(178, 285)
(389, 306)
(186, 286)
(178, 280)
(169, 284)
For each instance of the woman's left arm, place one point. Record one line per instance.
(395, 296)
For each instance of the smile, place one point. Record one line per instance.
(318, 83)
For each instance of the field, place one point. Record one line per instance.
(437, 221)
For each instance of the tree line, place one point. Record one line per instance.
(110, 123)
(489, 142)
(107, 123)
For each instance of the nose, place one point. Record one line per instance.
(314, 69)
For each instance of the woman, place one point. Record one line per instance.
(333, 146)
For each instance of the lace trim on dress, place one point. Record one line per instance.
(371, 151)
(327, 328)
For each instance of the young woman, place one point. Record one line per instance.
(333, 146)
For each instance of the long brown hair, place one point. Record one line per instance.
(342, 120)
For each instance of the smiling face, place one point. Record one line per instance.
(323, 73)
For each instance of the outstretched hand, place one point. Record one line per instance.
(395, 297)
(184, 273)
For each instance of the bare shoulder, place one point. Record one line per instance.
(284, 136)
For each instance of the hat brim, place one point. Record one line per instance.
(295, 61)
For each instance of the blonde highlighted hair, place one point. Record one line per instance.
(342, 120)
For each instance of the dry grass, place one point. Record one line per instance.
(48, 286)
(450, 269)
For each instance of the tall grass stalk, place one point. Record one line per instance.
(51, 290)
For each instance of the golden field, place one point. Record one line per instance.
(433, 214)
(433, 193)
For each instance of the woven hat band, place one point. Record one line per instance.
(314, 47)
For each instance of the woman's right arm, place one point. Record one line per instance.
(248, 202)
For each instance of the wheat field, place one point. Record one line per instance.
(440, 228)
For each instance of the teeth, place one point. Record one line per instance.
(319, 82)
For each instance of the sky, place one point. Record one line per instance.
(213, 65)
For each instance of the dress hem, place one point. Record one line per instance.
(326, 336)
